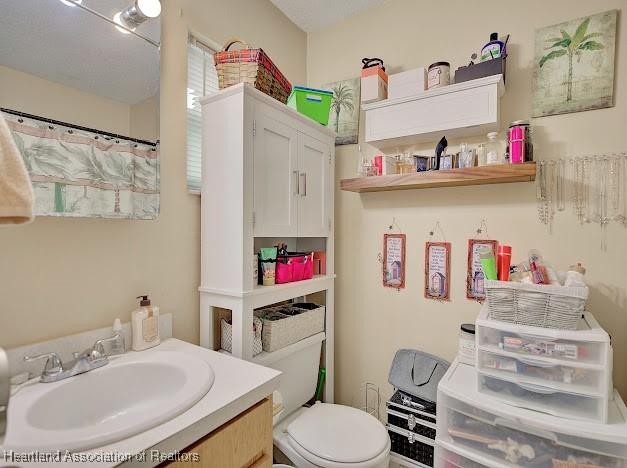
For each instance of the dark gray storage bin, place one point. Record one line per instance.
(495, 66)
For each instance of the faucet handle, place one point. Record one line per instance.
(99, 345)
(53, 364)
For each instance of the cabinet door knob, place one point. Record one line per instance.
(297, 183)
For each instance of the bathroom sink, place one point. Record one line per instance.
(133, 393)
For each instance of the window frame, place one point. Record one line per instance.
(201, 42)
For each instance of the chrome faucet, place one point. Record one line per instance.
(90, 359)
(5, 392)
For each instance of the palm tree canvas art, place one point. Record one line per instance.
(344, 114)
(574, 65)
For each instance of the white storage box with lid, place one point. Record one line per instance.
(407, 83)
(562, 372)
(495, 434)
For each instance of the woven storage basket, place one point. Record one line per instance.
(226, 336)
(281, 330)
(252, 66)
(536, 305)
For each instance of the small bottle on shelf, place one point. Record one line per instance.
(494, 154)
(482, 155)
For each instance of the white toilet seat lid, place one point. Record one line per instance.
(339, 433)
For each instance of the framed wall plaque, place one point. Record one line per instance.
(474, 278)
(437, 270)
(394, 260)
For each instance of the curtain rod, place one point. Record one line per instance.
(78, 127)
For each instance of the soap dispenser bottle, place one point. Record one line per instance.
(145, 324)
(493, 49)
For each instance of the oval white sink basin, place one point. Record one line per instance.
(133, 393)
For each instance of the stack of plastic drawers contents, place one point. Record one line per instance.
(536, 397)
(411, 426)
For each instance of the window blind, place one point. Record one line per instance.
(202, 80)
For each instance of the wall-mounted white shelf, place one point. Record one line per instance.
(459, 110)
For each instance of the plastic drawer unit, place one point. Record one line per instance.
(561, 372)
(488, 432)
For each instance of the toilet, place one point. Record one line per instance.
(323, 435)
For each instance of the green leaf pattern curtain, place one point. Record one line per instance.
(82, 174)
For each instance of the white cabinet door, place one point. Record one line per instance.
(275, 178)
(314, 163)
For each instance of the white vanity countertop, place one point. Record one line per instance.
(238, 385)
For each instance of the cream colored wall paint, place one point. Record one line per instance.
(60, 276)
(372, 322)
(34, 95)
(144, 119)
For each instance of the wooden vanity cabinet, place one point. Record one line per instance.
(243, 442)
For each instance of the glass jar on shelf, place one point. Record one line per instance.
(482, 155)
(494, 154)
(407, 164)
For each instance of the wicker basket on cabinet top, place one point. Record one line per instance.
(252, 66)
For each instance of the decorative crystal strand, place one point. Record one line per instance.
(559, 184)
(550, 191)
(622, 185)
(602, 169)
(540, 190)
(613, 187)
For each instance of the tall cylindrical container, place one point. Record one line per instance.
(517, 144)
(503, 262)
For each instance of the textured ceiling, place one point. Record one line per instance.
(313, 15)
(68, 45)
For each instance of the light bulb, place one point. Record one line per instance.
(117, 20)
(71, 4)
(149, 8)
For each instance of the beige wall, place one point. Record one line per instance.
(60, 276)
(144, 119)
(34, 95)
(372, 322)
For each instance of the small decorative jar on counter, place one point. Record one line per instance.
(439, 75)
(466, 349)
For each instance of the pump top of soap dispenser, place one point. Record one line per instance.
(494, 36)
(144, 302)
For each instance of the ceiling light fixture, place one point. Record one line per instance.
(71, 3)
(136, 13)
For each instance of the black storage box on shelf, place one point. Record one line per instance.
(495, 66)
(411, 426)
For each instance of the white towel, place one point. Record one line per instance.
(16, 190)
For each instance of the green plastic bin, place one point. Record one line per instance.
(314, 103)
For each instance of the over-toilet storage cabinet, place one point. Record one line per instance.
(267, 176)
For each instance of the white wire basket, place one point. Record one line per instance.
(537, 305)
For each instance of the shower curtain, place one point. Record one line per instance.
(77, 173)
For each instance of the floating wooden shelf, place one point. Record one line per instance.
(498, 174)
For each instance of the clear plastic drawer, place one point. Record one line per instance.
(544, 399)
(573, 377)
(507, 441)
(589, 344)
